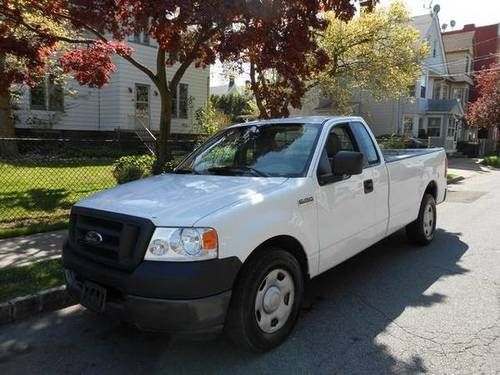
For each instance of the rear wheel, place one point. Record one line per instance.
(422, 230)
(266, 300)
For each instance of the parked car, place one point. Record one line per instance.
(229, 240)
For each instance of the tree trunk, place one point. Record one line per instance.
(163, 152)
(258, 99)
(7, 128)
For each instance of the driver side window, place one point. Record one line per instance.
(339, 139)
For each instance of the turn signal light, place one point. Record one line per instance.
(209, 240)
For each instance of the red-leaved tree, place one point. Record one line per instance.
(485, 111)
(280, 47)
(24, 54)
(273, 35)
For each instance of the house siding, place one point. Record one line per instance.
(388, 117)
(113, 106)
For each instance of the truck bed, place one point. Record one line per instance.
(392, 155)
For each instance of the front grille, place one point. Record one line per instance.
(122, 238)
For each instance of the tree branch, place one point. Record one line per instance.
(101, 37)
(203, 37)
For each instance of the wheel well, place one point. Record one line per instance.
(432, 189)
(289, 244)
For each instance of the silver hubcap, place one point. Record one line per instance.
(428, 221)
(274, 300)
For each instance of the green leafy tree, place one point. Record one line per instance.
(378, 51)
(208, 120)
(236, 106)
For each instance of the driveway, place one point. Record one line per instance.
(394, 308)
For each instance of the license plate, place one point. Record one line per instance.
(93, 297)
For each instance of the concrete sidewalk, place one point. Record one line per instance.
(23, 250)
(467, 168)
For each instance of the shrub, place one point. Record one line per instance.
(394, 142)
(494, 161)
(130, 168)
(208, 120)
(236, 106)
(170, 165)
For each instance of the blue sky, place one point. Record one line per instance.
(480, 12)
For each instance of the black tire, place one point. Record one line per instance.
(241, 325)
(420, 232)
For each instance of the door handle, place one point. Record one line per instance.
(368, 184)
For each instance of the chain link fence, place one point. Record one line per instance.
(40, 179)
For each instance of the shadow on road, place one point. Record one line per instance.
(353, 305)
(466, 164)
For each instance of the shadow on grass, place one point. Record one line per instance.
(39, 199)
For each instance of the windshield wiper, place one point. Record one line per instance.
(185, 171)
(238, 168)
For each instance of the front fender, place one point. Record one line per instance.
(244, 226)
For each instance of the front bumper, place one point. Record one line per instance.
(186, 298)
(190, 316)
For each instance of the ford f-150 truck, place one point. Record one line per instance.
(229, 240)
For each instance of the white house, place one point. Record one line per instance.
(128, 102)
(432, 112)
(232, 88)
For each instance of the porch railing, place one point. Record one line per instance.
(145, 135)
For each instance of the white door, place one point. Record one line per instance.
(377, 201)
(344, 220)
(142, 111)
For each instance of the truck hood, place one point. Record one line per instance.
(179, 200)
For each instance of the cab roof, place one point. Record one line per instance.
(298, 120)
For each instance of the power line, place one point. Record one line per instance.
(472, 72)
(463, 60)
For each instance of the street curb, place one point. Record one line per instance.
(20, 308)
(455, 180)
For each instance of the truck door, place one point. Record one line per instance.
(377, 199)
(344, 212)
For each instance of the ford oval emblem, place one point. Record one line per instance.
(93, 238)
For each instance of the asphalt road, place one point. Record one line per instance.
(392, 309)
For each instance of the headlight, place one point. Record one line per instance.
(182, 244)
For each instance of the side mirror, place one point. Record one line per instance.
(344, 163)
(347, 163)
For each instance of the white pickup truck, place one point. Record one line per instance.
(230, 238)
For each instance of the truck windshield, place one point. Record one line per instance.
(268, 150)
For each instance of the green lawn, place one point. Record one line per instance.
(21, 281)
(36, 194)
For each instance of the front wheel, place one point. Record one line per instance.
(422, 230)
(266, 300)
